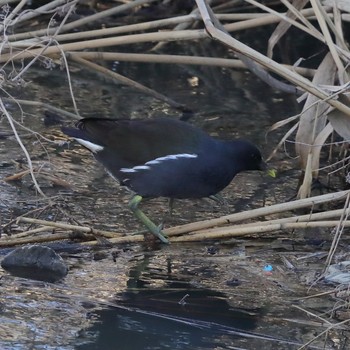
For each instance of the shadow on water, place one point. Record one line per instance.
(157, 321)
(177, 315)
(158, 300)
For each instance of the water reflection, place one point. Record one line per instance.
(174, 316)
(134, 299)
(177, 315)
(152, 330)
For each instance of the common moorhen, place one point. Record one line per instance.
(164, 158)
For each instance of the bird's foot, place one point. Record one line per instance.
(150, 225)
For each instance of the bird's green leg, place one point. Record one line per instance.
(133, 205)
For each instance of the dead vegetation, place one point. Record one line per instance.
(51, 35)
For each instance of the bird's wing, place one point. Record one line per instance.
(139, 141)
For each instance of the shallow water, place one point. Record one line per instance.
(176, 297)
(183, 296)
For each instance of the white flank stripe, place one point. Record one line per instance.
(153, 162)
(128, 170)
(146, 166)
(135, 169)
(171, 157)
(93, 147)
(141, 167)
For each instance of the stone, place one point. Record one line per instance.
(35, 262)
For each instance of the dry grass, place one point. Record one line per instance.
(322, 91)
(326, 106)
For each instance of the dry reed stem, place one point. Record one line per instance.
(269, 64)
(317, 217)
(52, 6)
(309, 30)
(86, 20)
(32, 232)
(282, 141)
(176, 59)
(232, 27)
(189, 35)
(265, 19)
(13, 13)
(232, 231)
(120, 240)
(257, 20)
(106, 31)
(89, 234)
(329, 41)
(83, 229)
(125, 80)
(4, 242)
(338, 233)
(104, 42)
(295, 8)
(303, 221)
(250, 214)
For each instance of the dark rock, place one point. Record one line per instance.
(35, 262)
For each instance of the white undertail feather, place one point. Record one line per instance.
(155, 161)
(93, 147)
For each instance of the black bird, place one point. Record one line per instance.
(164, 158)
